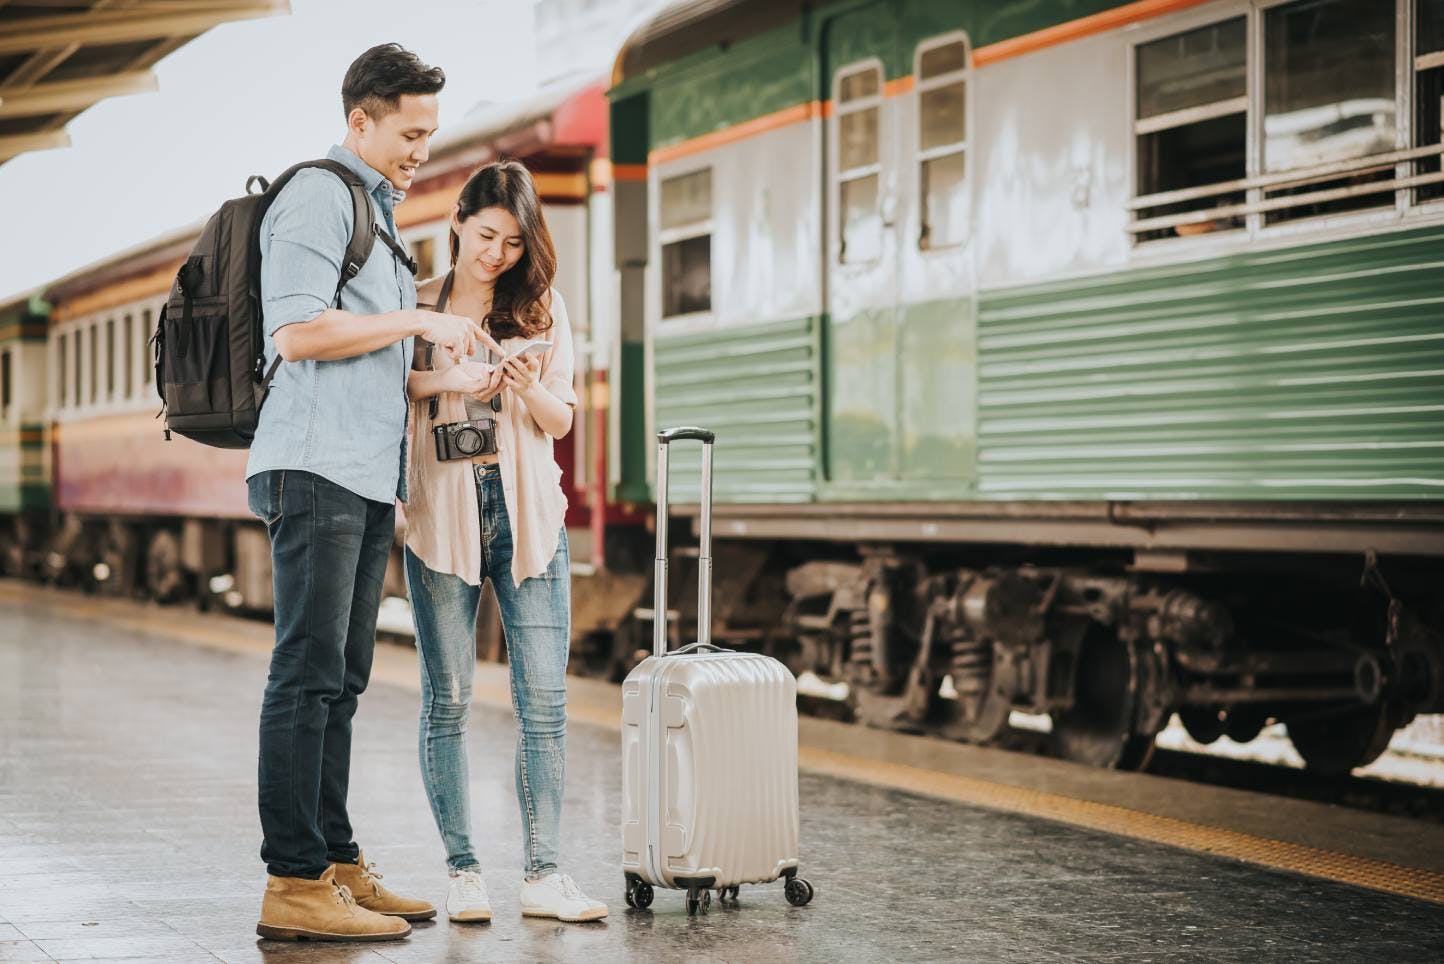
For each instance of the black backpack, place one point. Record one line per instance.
(209, 352)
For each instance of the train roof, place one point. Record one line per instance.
(666, 34)
(569, 114)
(566, 116)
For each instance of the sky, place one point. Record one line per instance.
(251, 97)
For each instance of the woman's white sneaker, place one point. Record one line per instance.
(557, 895)
(467, 902)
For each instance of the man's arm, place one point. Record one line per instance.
(309, 227)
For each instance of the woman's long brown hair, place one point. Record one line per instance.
(518, 306)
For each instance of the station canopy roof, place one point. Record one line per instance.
(61, 57)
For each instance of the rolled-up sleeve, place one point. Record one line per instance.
(308, 228)
(559, 363)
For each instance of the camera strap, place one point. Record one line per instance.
(443, 298)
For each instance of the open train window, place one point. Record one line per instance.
(94, 340)
(857, 94)
(147, 328)
(1428, 94)
(423, 250)
(941, 72)
(128, 372)
(1191, 126)
(79, 367)
(62, 358)
(685, 211)
(110, 358)
(1328, 100)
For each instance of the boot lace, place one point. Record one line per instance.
(370, 876)
(342, 895)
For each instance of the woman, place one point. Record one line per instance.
(496, 514)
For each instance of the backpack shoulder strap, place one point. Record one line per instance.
(363, 223)
(363, 220)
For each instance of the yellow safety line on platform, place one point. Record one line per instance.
(491, 689)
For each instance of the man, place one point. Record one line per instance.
(326, 467)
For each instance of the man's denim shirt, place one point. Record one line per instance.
(343, 420)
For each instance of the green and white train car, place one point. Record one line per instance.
(1068, 356)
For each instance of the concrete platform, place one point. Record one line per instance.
(128, 831)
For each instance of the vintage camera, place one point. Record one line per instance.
(464, 440)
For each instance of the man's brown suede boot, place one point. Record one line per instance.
(299, 909)
(365, 885)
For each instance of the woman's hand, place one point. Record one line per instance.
(521, 373)
(493, 386)
(467, 378)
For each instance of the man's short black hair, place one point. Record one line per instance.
(376, 80)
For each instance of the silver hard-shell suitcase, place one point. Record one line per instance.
(709, 748)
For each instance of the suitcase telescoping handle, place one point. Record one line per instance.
(704, 561)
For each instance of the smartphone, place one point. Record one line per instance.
(531, 348)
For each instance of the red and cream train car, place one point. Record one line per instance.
(135, 513)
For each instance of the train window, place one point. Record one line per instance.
(859, 101)
(147, 328)
(110, 358)
(94, 340)
(79, 367)
(128, 372)
(942, 142)
(685, 213)
(1328, 99)
(5, 387)
(1191, 125)
(61, 382)
(1428, 93)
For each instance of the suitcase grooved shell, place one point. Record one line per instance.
(726, 806)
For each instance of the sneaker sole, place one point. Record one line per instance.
(584, 918)
(273, 933)
(471, 917)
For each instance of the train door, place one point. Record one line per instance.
(861, 248)
(900, 362)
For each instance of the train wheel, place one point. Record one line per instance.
(1204, 723)
(1098, 728)
(1339, 742)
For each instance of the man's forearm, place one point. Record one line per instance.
(335, 334)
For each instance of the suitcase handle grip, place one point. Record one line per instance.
(700, 647)
(702, 435)
(704, 559)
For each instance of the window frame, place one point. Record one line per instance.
(686, 232)
(840, 176)
(1255, 184)
(963, 147)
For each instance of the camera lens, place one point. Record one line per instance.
(468, 441)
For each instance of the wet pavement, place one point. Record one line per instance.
(128, 831)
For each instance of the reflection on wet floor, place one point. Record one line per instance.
(128, 828)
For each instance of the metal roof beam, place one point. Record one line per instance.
(126, 25)
(16, 144)
(66, 96)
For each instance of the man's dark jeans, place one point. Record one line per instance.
(329, 549)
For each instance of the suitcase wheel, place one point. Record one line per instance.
(725, 894)
(798, 891)
(639, 894)
(698, 899)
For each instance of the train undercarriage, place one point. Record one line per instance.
(948, 641)
(1332, 647)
